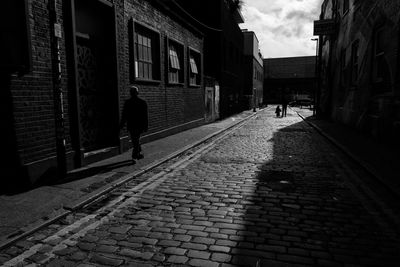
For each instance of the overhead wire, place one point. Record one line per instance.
(201, 23)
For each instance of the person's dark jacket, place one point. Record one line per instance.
(134, 114)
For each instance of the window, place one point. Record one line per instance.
(194, 68)
(379, 56)
(345, 6)
(146, 53)
(354, 62)
(175, 59)
(343, 78)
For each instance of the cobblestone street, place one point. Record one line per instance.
(272, 192)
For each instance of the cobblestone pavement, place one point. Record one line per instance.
(271, 193)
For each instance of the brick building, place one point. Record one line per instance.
(253, 69)
(360, 65)
(61, 100)
(223, 48)
(290, 77)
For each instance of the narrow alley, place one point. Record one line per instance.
(269, 192)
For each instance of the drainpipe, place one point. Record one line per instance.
(55, 35)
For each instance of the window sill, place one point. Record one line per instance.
(138, 80)
(175, 84)
(194, 85)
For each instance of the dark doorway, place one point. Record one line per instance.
(96, 74)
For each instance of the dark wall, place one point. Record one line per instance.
(169, 105)
(366, 103)
(276, 89)
(28, 99)
(223, 50)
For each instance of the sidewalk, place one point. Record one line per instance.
(379, 159)
(23, 212)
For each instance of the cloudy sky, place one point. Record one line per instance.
(283, 27)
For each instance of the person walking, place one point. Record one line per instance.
(134, 115)
(284, 107)
(278, 111)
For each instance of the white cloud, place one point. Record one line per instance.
(284, 30)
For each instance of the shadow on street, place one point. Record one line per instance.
(302, 212)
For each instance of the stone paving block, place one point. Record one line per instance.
(197, 233)
(177, 259)
(198, 254)
(221, 257)
(203, 263)
(129, 244)
(295, 259)
(65, 251)
(204, 240)
(194, 246)
(168, 243)
(277, 249)
(183, 238)
(107, 242)
(158, 257)
(144, 240)
(216, 248)
(130, 253)
(86, 265)
(243, 260)
(175, 251)
(61, 263)
(101, 259)
(106, 248)
(86, 246)
(227, 243)
(90, 238)
(78, 256)
(37, 257)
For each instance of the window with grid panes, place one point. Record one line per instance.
(147, 53)
(194, 68)
(143, 58)
(175, 58)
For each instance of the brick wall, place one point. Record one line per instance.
(33, 95)
(169, 105)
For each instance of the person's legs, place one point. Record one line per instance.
(135, 138)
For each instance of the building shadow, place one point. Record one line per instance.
(50, 177)
(13, 176)
(83, 173)
(301, 212)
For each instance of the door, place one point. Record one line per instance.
(96, 75)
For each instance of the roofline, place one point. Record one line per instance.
(245, 31)
(271, 58)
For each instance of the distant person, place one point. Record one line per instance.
(278, 111)
(134, 114)
(284, 107)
